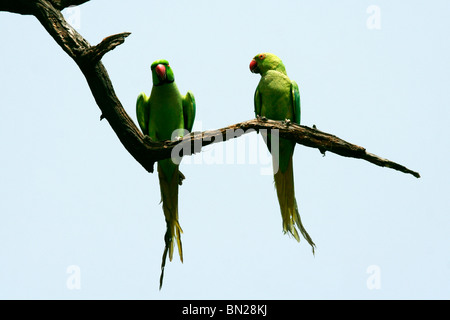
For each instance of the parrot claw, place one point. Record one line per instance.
(148, 139)
(286, 122)
(263, 118)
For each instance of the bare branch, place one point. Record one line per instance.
(96, 75)
(300, 134)
(145, 151)
(94, 54)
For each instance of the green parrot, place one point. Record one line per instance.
(278, 98)
(167, 115)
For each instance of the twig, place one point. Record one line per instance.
(94, 54)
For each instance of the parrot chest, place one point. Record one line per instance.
(166, 111)
(275, 91)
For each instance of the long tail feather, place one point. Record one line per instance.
(284, 184)
(169, 199)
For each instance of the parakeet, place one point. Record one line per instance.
(167, 115)
(278, 98)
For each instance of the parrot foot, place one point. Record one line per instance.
(322, 151)
(286, 122)
(151, 142)
(263, 118)
(148, 139)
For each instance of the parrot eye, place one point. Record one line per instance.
(262, 56)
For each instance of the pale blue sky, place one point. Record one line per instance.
(70, 194)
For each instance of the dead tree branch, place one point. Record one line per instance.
(145, 151)
(301, 134)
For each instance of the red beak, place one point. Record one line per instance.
(161, 71)
(253, 66)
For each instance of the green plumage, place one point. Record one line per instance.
(278, 98)
(167, 115)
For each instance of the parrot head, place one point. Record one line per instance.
(264, 62)
(162, 72)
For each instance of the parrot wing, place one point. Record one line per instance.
(143, 112)
(257, 103)
(295, 101)
(188, 110)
